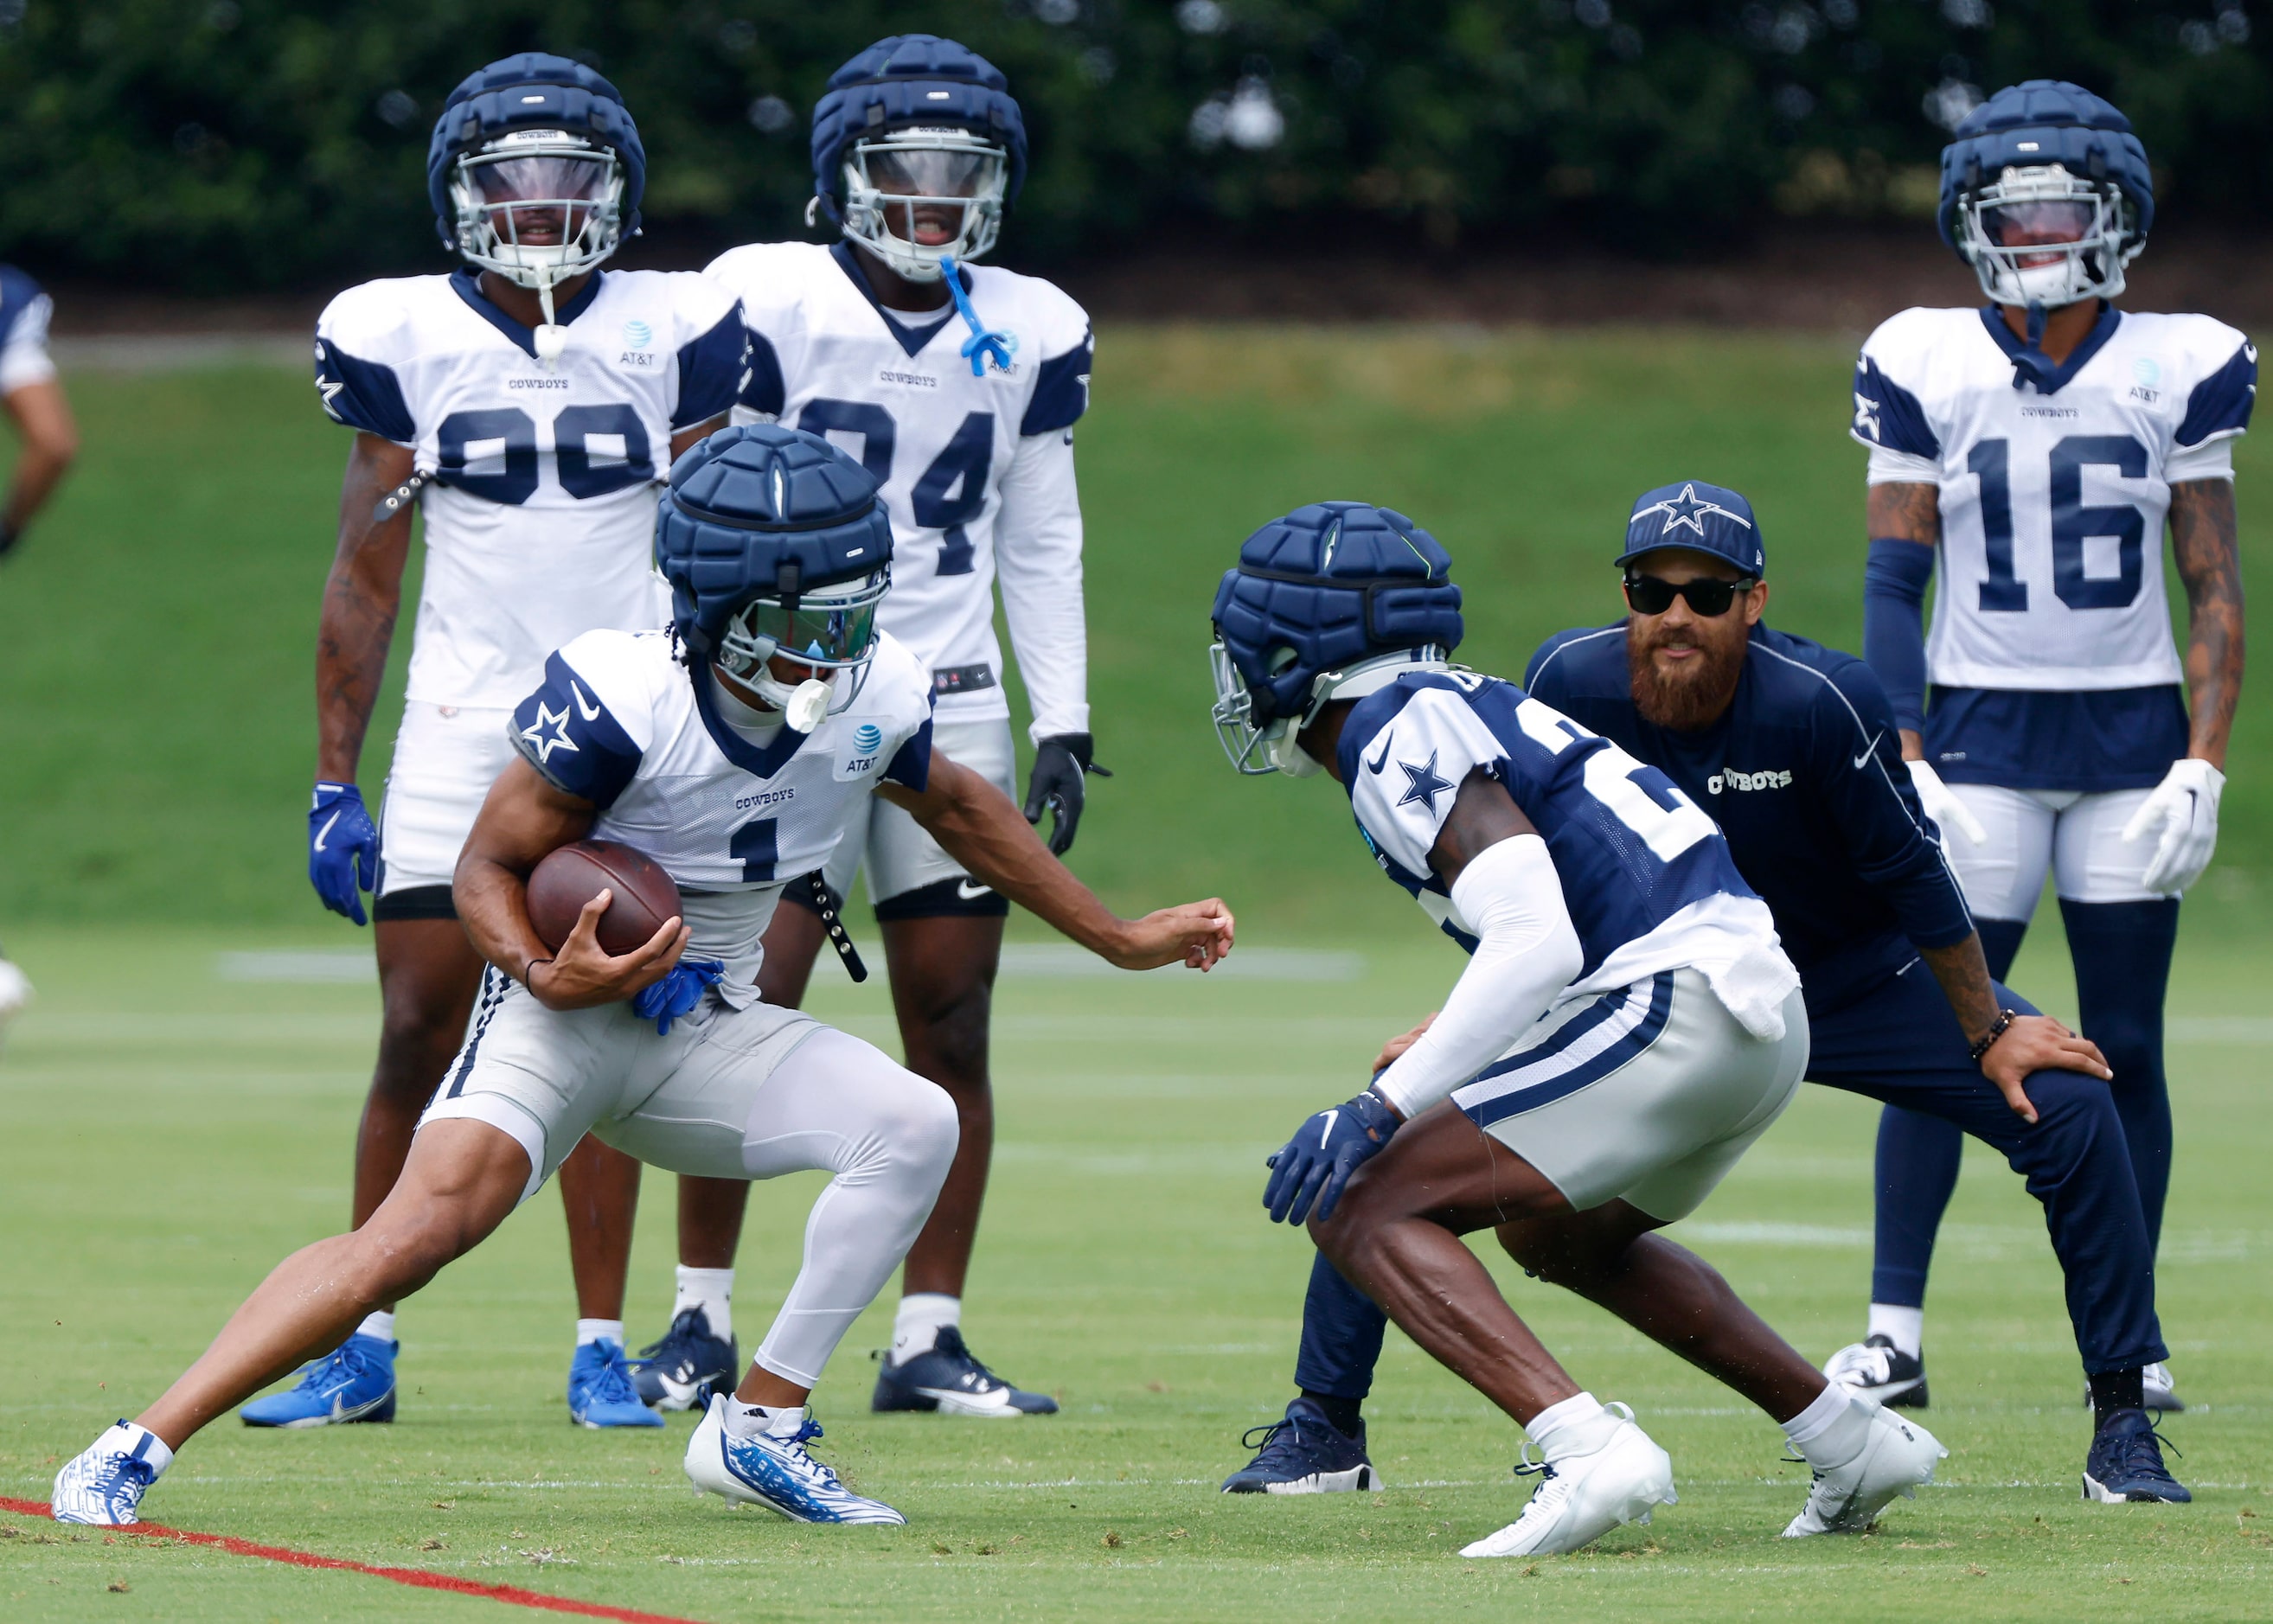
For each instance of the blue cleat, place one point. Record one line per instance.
(2126, 1463)
(353, 1382)
(600, 1391)
(946, 1378)
(682, 1370)
(1304, 1454)
(103, 1485)
(772, 1469)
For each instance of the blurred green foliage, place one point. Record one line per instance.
(233, 144)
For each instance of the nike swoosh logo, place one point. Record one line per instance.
(327, 829)
(1327, 1132)
(970, 893)
(592, 713)
(1381, 761)
(1869, 751)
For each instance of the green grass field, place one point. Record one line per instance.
(170, 1131)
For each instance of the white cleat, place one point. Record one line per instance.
(1582, 1497)
(773, 1471)
(1898, 1457)
(103, 1485)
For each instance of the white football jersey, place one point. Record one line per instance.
(977, 471)
(2053, 503)
(540, 515)
(622, 722)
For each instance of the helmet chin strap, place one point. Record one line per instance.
(2032, 365)
(552, 341)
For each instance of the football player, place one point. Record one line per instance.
(957, 386)
(1626, 1027)
(2036, 448)
(1792, 745)
(736, 749)
(528, 404)
(34, 400)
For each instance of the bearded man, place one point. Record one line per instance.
(1793, 748)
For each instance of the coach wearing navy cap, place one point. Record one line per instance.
(1792, 748)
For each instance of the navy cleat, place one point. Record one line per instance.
(2126, 1463)
(1878, 1371)
(773, 1469)
(946, 1378)
(353, 1382)
(1304, 1454)
(103, 1485)
(688, 1365)
(600, 1391)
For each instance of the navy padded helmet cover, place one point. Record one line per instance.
(1364, 581)
(532, 91)
(912, 80)
(2060, 122)
(748, 500)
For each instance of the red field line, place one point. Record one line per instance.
(512, 1595)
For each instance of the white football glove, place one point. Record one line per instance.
(2184, 807)
(1941, 803)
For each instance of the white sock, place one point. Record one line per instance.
(1905, 1328)
(130, 1438)
(1576, 1426)
(711, 1289)
(749, 1420)
(1832, 1431)
(599, 1330)
(917, 1326)
(378, 1325)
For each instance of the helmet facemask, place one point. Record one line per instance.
(918, 198)
(539, 207)
(830, 629)
(2043, 237)
(1271, 744)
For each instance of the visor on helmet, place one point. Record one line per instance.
(830, 629)
(2042, 235)
(538, 207)
(916, 197)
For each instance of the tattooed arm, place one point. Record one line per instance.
(2205, 547)
(1909, 513)
(2031, 1044)
(360, 602)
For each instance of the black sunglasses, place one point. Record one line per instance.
(1648, 594)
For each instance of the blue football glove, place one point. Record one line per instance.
(1318, 1161)
(663, 1002)
(342, 849)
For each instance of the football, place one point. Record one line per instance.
(575, 873)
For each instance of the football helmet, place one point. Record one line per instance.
(2045, 192)
(775, 543)
(917, 148)
(536, 171)
(1333, 602)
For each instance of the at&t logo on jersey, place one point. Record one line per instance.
(868, 743)
(639, 345)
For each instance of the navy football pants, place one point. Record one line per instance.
(1901, 1044)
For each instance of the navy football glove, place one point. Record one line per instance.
(1060, 763)
(679, 990)
(1318, 1161)
(342, 849)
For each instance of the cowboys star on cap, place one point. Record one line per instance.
(559, 738)
(1690, 509)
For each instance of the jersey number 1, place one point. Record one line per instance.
(2073, 524)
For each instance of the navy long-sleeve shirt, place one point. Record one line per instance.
(1804, 775)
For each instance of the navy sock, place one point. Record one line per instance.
(2000, 944)
(1341, 1338)
(1345, 1413)
(2116, 1390)
(1918, 1157)
(2122, 956)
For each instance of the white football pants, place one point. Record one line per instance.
(2075, 836)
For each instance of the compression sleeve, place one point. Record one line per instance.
(1037, 537)
(1893, 624)
(1527, 951)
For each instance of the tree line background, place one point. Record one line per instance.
(231, 145)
